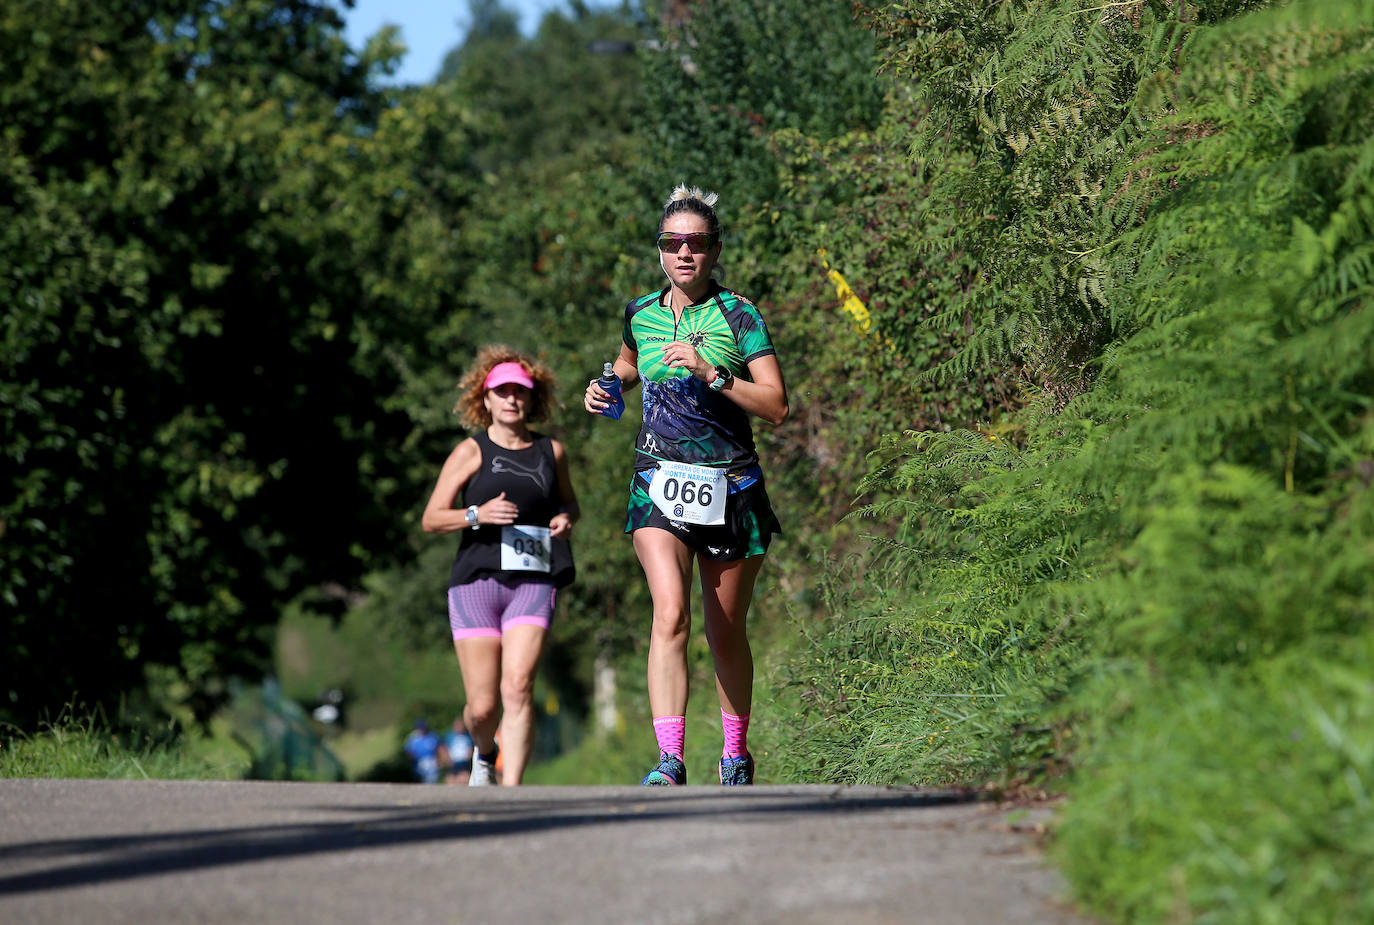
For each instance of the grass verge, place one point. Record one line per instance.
(81, 748)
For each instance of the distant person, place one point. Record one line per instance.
(697, 494)
(508, 491)
(458, 744)
(423, 747)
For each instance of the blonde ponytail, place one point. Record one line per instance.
(683, 191)
(695, 200)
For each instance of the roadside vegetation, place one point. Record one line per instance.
(1072, 299)
(72, 747)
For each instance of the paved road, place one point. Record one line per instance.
(109, 852)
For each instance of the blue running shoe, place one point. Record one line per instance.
(737, 771)
(669, 772)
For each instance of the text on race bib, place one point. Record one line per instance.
(525, 548)
(691, 494)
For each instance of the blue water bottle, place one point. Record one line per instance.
(611, 383)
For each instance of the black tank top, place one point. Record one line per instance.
(529, 477)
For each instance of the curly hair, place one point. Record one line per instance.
(471, 408)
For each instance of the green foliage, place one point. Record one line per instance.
(83, 747)
(1238, 795)
(544, 96)
(209, 232)
(727, 78)
(1155, 572)
(278, 734)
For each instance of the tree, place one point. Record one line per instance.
(544, 96)
(206, 218)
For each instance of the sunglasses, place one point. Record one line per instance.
(698, 242)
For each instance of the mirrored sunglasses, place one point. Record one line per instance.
(698, 242)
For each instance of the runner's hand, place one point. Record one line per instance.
(682, 355)
(560, 527)
(497, 511)
(596, 398)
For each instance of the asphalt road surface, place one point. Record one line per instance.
(108, 852)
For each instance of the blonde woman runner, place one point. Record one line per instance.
(697, 498)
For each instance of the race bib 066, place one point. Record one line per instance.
(525, 548)
(691, 494)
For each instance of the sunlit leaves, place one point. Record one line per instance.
(207, 202)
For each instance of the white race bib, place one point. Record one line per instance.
(691, 494)
(525, 548)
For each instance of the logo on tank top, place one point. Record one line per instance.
(536, 474)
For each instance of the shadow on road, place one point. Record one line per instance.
(77, 862)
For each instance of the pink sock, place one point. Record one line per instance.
(671, 731)
(736, 734)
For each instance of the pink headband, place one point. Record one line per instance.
(503, 373)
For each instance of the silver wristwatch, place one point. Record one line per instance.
(472, 515)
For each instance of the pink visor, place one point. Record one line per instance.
(503, 373)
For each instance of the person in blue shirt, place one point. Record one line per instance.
(423, 748)
(458, 745)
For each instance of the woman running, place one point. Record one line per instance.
(697, 495)
(508, 490)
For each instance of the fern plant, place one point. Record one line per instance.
(1171, 212)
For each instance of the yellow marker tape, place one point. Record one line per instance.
(852, 305)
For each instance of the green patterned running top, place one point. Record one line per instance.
(684, 421)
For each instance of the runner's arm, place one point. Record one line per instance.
(627, 368)
(766, 396)
(440, 515)
(569, 512)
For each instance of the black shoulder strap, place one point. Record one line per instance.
(545, 445)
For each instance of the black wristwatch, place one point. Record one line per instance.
(720, 380)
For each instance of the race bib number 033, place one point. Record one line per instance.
(525, 548)
(691, 494)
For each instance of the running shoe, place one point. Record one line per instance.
(669, 772)
(737, 771)
(483, 770)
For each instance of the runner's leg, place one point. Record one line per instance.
(727, 589)
(474, 616)
(667, 564)
(520, 648)
(479, 659)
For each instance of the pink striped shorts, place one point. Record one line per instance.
(487, 606)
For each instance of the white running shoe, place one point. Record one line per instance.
(483, 772)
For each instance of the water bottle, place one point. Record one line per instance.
(611, 383)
